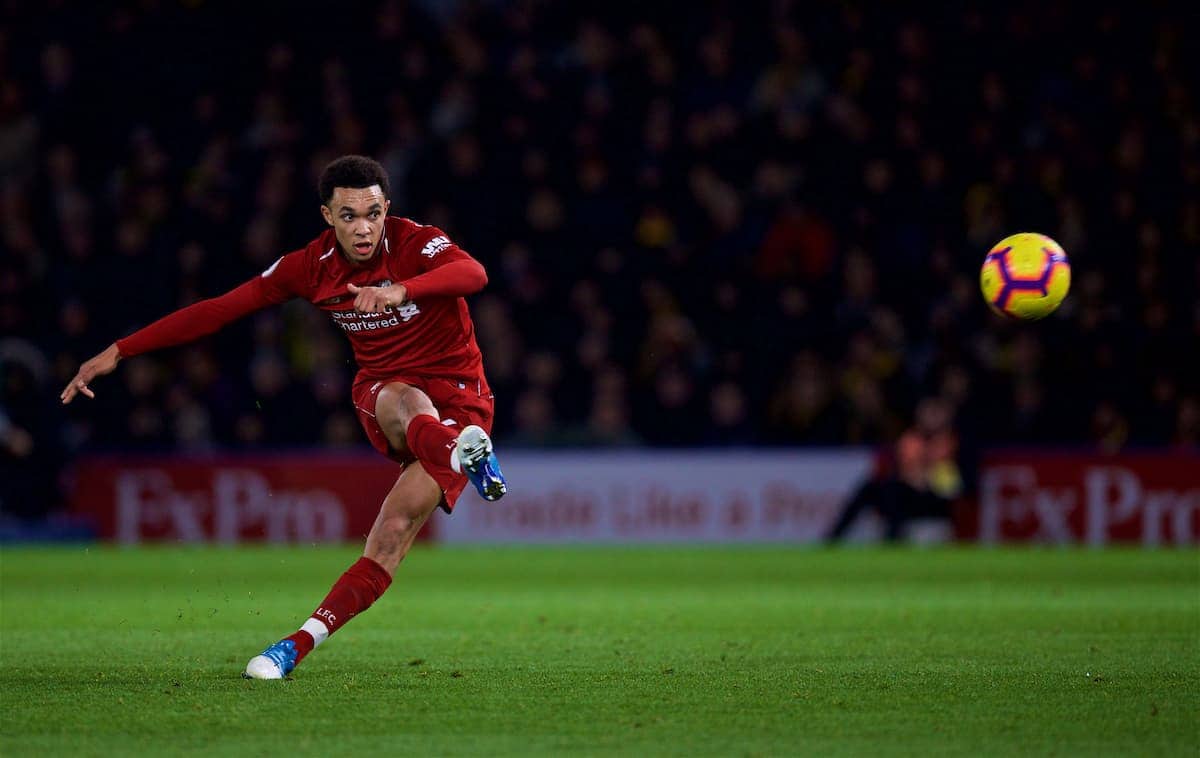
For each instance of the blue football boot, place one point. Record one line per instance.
(276, 662)
(479, 463)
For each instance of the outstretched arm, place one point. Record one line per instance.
(197, 320)
(184, 325)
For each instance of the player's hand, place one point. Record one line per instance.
(104, 363)
(376, 299)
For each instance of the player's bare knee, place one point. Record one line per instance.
(390, 533)
(400, 525)
(390, 540)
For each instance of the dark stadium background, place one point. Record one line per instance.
(705, 225)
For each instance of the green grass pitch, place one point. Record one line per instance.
(606, 651)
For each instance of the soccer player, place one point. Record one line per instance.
(396, 289)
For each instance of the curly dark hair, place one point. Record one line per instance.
(355, 171)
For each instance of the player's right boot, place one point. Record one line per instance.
(276, 662)
(478, 462)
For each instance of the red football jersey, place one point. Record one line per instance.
(429, 334)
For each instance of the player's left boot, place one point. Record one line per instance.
(478, 462)
(276, 662)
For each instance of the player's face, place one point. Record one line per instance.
(356, 216)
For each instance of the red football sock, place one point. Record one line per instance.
(352, 593)
(431, 441)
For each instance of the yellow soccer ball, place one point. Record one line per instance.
(1025, 276)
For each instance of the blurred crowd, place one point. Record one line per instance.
(705, 224)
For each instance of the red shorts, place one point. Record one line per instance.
(459, 401)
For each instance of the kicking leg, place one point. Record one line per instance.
(404, 511)
(411, 423)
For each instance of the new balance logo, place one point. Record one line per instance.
(435, 246)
